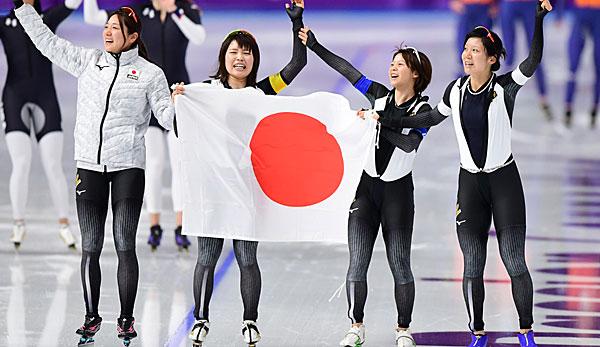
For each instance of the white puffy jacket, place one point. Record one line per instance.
(116, 94)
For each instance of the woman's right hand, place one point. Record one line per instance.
(178, 89)
(307, 37)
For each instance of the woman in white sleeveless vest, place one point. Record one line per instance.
(384, 196)
(481, 105)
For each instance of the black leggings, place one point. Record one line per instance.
(391, 205)
(481, 196)
(126, 190)
(209, 250)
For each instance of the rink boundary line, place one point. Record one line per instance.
(184, 327)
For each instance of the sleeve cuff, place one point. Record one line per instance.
(444, 109)
(519, 77)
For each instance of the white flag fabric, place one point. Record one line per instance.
(269, 168)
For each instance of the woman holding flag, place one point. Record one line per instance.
(239, 59)
(384, 196)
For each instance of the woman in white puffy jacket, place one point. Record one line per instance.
(117, 90)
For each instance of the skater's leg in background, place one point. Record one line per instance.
(595, 25)
(176, 176)
(508, 23)
(250, 279)
(155, 162)
(209, 250)
(51, 148)
(575, 47)
(19, 149)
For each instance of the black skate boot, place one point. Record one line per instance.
(125, 329)
(155, 236)
(87, 331)
(181, 240)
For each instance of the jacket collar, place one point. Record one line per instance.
(124, 58)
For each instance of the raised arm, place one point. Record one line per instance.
(532, 61)
(187, 19)
(372, 90)
(277, 82)
(56, 14)
(61, 52)
(298, 59)
(92, 14)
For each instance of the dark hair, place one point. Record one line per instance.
(422, 68)
(129, 19)
(246, 41)
(491, 42)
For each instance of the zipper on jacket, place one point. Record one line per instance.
(116, 56)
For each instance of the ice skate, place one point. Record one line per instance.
(526, 340)
(478, 341)
(199, 332)
(87, 331)
(125, 329)
(181, 240)
(355, 337)
(404, 338)
(67, 236)
(155, 236)
(18, 234)
(250, 333)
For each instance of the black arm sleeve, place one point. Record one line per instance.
(336, 62)
(298, 60)
(420, 120)
(407, 143)
(55, 15)
(529, 65)
(190, 10)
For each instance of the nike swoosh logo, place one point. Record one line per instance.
(353, 209)
(79, 192)
(459, 222)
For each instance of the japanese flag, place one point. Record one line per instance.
(269, 168)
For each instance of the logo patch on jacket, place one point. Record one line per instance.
(133, 74)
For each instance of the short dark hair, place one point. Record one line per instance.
(491, 42)
(421, 65)
(246, 41)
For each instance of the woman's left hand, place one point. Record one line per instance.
(295, 10)
(546, 5)
(364, 114)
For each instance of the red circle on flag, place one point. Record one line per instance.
(295, 160)
(133, 72)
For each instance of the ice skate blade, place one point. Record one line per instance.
(86, 341)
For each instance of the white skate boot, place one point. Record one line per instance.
(250, 333)
(199, 332)
(404, 339)
(66, 235)
(355, 337)
(18, 234)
